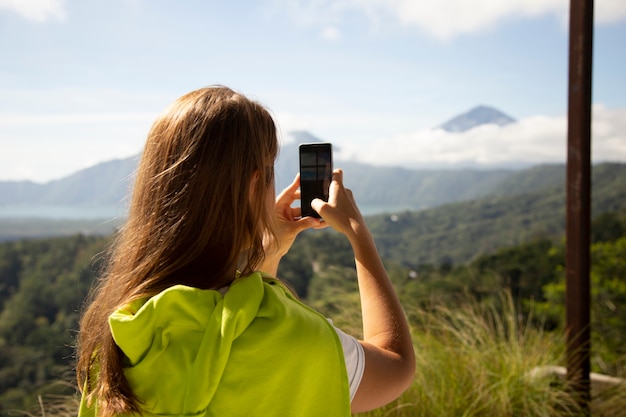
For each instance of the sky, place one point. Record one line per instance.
(81, 81)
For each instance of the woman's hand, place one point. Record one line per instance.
(341, 211)
(289, 223)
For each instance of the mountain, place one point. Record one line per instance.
(109, 183)
(104, 184)
(102, 191)
(377, 188)
(477, 116)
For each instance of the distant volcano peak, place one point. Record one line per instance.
(480, 115)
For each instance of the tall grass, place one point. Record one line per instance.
(53, 405)
(476, 361)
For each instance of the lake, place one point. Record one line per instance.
(112, 212)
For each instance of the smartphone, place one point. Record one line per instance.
(316, 173)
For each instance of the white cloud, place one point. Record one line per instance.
(37, 10)
(87, 126)
(609, 11)
(42, 147)
(534, 140)
(331, 33)
(28, 119)
(442, 19)
(448, 18)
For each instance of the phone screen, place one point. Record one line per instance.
(316, 172)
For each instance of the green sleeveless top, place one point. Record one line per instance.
(254, 351)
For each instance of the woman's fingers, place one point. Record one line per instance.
(291, 192)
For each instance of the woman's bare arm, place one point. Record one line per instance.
(389, 354)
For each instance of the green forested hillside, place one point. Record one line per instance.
(552, 176)
(42, 286)
(531, 272)
(459, 232)
(107, 183)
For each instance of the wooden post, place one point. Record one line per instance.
(578, 210)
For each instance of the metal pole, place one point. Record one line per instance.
(579, 201)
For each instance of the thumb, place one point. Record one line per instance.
(317, 204)
(306, 223)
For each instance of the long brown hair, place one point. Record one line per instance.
(193, 214)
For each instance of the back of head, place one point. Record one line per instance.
(191, 205)
(194, 218)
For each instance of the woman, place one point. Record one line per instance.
(188, 319)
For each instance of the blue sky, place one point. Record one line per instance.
(82, 80)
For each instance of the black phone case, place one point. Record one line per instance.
(316, 170)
